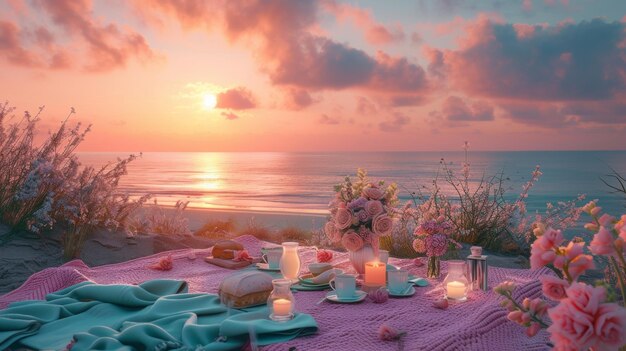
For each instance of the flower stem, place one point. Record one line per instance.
(532, 315)
(620, 278)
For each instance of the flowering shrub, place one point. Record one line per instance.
(432, 237)
(584, 316)
(480, 212)
(361, 213)
(44, 184)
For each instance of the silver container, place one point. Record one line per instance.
(477, 272)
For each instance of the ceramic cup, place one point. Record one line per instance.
(398, 280)
(383, 256)
(272, 258)
(319, 268)
(344, 285)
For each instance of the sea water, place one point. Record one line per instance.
(303, 182)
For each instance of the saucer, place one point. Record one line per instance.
(408, 293)
(358, 297)
(418, 281)
(266, 267)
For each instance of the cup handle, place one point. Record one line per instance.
(331, 283)
(264, 258)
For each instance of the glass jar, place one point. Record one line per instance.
(281, 302)
(290, 261)
(456, 284)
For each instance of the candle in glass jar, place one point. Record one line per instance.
(375, 273)
(456, 290)
(282, 307)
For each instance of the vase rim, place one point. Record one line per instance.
(290, 243)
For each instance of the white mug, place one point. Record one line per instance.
(272, 258)
(344, 285)
(398, 280)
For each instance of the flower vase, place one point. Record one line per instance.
(434, 267)
(360, 257)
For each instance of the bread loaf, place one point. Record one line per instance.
(245, 289)
(226, 249)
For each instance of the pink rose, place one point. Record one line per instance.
(606, 220)
(620, 224)
(551, 238)
(352, 241)
(373, 193)
(379, 295)
(343, 218)
(387, 333)
(163, 264)
(571, 329)
(419, 246)
(602, 243)
(573, 250)
(382, 225)
(553, 287)
(579, 265)
(324, 256)
(585, 298)
(540, 255)
(374, 207)
(242, 256)
(610, 326)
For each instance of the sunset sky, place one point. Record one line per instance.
(156, 75)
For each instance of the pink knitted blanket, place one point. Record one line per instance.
(479, 324)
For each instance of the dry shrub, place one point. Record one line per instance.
(295, 234)
(217, 229)
(159, 220)
(257, 230)
(44, 184)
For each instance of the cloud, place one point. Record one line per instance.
(237, 99)
(556, 115)
(325, 119)
(375, 32)
(455, 109)
(297, 99)
(365, 107)
(229, 115)
(288, 47)
(569, 61)
(406, 100)
(395, 123)
(105, 45)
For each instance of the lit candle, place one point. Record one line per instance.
(282, 307)
(375, 273)
(456, 290)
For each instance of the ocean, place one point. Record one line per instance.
(287, 182)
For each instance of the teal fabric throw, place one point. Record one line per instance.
(156, 315)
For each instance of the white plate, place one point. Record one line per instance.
(360, 296)
(266, 267)
(410, 292)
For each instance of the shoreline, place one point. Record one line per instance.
(197, 217)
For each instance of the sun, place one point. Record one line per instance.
(209, 101)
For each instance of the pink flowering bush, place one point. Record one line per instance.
(42, 184)
(585, 317)
(361, 213)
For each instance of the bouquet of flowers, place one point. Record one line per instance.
(432, 237)
(361, 212)
(583, 316)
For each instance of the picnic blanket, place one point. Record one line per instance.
(478, 324)
(155, 315)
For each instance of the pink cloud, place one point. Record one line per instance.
(394, 123)
(229, 115)
(456, 109)
(364, 106)
(297, 99)
(375, 33)
(106, 46)
(325, 119)
(237, 99)
(292, 52)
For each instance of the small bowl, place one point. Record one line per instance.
(319, 268)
